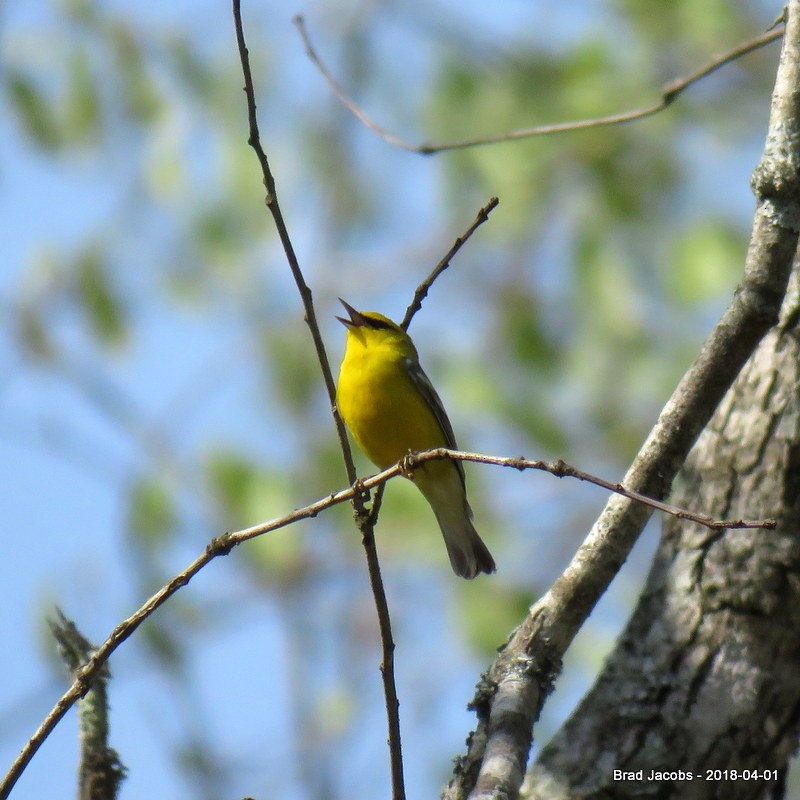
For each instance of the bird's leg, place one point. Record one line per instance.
(364, 495)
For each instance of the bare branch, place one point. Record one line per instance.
(561, 469)
(669, 93)
(421, 291)
(344, 98)
(271, 200)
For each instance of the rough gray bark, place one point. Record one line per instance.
(707, 674)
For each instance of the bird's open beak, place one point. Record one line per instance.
(357, 319)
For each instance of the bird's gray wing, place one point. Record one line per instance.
(422, 382)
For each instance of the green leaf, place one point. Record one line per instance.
(142, 97)
(522, 330)
(193, 70)
(246, 494)
(82, 103)
(488, 610)
(296, 374)
(243, 491)
(97, 296)
(33, 109)
(34, 333)
(151, 512)
(707, 261)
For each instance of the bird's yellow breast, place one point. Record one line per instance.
(381, 406)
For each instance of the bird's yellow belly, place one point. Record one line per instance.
(386, 414)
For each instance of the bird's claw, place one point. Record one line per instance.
(408, 464)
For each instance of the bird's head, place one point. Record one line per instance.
(371, 329)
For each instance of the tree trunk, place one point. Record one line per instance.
(706, 677)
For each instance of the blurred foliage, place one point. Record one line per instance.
(32, 109)
(490, 609)
(82, 101)
(142, 99)
(296, 376)
(706, 262)
(241, 490)
(560, 329)
(151, 513)
(32, 333)
(98, 299)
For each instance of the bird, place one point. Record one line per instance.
(391, 408)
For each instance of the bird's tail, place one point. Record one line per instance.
(469, 556)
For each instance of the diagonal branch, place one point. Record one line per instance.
(561, 469)
(514, 691)
(271, 200)
(422, 290)
(669, 93)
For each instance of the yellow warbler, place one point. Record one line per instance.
(391, 408)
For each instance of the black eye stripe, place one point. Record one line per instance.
(378, 324)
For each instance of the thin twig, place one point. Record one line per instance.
(344, 98)
(560, 469)
(271, 200)
(422, 290)
(669, 93)
(363, 519)
(222, 545)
